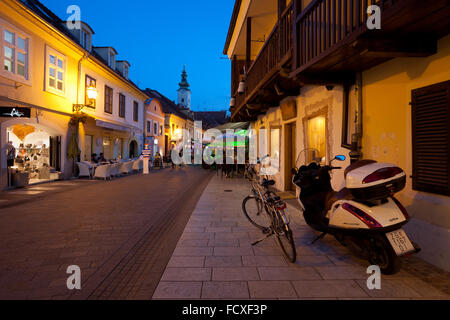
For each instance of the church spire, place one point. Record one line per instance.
(184, 84)
(184, 93)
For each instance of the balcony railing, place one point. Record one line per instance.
(326, 23)
(275, 51)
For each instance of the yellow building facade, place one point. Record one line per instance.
(43, 77)
(387, 137)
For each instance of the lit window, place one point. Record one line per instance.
(56, 71)
(90, 82)
(316, 139)
(15, 52)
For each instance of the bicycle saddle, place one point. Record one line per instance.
(267, 183)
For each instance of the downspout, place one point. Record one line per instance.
(85, 56)
(77, 128)
(356, 154)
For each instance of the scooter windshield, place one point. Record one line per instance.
(307, 156)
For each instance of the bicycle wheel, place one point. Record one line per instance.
(286, 238)
(254, 211)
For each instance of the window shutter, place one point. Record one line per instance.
(430, 134)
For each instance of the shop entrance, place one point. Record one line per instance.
(133, 149)
(290, 154)
(34, 155)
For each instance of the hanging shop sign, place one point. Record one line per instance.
(15, 112)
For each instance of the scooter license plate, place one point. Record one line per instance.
(400, 242)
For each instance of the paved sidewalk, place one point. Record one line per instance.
(214, 259)
(121, 233)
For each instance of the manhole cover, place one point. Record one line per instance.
(228, 190)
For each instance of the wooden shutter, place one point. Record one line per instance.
(430, 134)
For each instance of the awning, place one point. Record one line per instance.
(112, 126)
(234, 126)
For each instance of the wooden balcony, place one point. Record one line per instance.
(329, 41)
(267, 79)
(332, 38)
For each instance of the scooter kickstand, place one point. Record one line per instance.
(261, 240)
(319, 238)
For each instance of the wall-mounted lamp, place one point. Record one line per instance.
(91, 95)
(241, 88)
(232, 102)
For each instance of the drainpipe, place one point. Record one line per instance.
(356, 154)
(77, 129)
(85, 56)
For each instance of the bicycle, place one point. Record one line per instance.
(266, 211)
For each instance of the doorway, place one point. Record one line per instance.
(133, 149)
(290, 154)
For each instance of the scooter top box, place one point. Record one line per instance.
(375, 181)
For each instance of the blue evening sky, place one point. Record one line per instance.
(159, 37)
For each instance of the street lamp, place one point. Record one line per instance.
(92, 93)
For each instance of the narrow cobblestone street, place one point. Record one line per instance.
(214, 260)
(121, 234)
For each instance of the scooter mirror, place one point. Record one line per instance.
(340, 158)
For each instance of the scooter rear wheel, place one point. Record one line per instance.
(384, 256)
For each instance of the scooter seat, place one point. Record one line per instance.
(334, 196)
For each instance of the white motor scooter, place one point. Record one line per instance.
(364, 216)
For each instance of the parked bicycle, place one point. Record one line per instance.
(266, 211)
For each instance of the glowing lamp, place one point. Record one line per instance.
(92, 93)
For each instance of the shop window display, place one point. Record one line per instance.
(31, 153)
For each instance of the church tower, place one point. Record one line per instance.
(184, 93)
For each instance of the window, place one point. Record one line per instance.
(85, 39)
(161, 132)
(111, 60)
(149, 127)
(275, 147)
(55, 72)
(15, 47)
(316, 138)
(173, 129)
(122, 107)
(430, 135)
(108, 100)
(136, 111)
(262, 143)
(349, 118)
(90, 82)
(155, 128)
